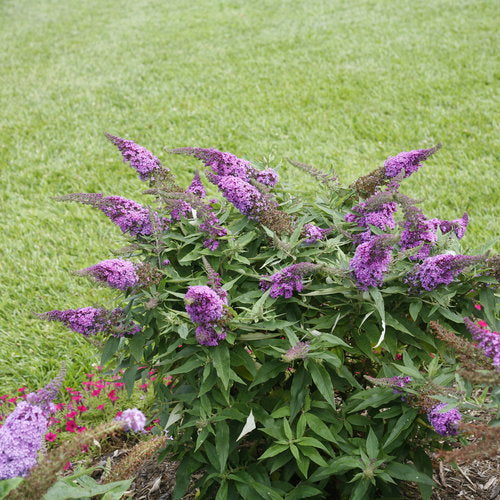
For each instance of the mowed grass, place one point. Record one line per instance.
(338, 84)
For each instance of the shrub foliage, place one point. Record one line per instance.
(296, 332)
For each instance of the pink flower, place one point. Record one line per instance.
(71, 426)
(67, 466)
(100, 407)
(71, 415)
(89, 375)
(50, 437)
(95, 392)
(22, 389)
(120, 385)
(482, 323)
(118, 413)
(85, 448)
(144, 386)
(76, 398)
(81, 429)
(478, 306)
(112, 396)
(59, 406)
(82, 408)
(12, 400)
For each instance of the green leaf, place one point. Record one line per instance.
(268, 371)
(336, 467)
(415, 308)
(404, 421)
(360, 490)
(273, 450)
(189, 365)
(322, 380)
(376, 398)
(298, 391)
(136, 345)
(372, 446)
(310, 441)
(129, 379)
(313, 454)
(287, 429)
(222, 444)
(8, 485)
(183, 476)
(222, 492)
(380, 308)
(487, 299)
(222, 363)
(109, 349)
(319, 427)
(303, 491)
(408, 473)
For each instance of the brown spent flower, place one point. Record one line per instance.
(322, 177)
(367, 185)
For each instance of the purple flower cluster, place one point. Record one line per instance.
(206, 308)
(314, 233)
(21, 438)
(458, 226)
(196, 187)
(132, 420)
(131, 217)
(245, 197)
(140, 159)
(268, 177)
(44, 396)
(227, 164)
(91, 321)
(445, 423)
(486, 340)
(287, 281)
(298, 351)
(371, 260)
(419, 232)
(381, 217)
(438, 270)
(407, 162)
(116, 273)
(399, 381)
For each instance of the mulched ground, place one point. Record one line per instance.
(479, 480)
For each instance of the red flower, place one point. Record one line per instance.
(22, 389)
(112, 396)
(81, 429)
(59, 406)
(12, 400)
(82, 408)
(100, 407)
(71, 414)
(67, 466)
(120, 385)
(71, 426)
(76, 398)
(118, 413)
(50, 437)
(95, 392)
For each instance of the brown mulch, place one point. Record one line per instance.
(479, 480)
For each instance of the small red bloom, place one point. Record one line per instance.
(118, 413)
(22, 389)
(67, 466)
(59, 406)
(81, 429)
(82, 408)
(478, 306)
(120, 385)
(112, 396)
(71, 426)
(50, 437)
(95, 392)
(100, 407)
(71, 415)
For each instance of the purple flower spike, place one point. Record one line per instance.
(268, 177)
(381, 217)
(487, 340)
(140, 159)
(132, 419)
(287, 281)
(371, 260)
(407, 162)
(445, 423)
(314, 233)
(91, 321)
(418, 232)
(44, 396)
(439, 270)
(21, 438)
(196, 187)
(246, 198)
(116, 273)
(204, 305)
(458, 226)
(207, 335)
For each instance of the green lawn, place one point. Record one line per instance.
(340, 84)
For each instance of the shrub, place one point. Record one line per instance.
(296, 332)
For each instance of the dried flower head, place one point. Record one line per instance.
(328, 180)
(298, 351)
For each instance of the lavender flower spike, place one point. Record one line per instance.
(314, 233)
(439, 270)
(140, 159)
(44, 396)
(487, 340)
(371, 260)
(445, 423)
(204, 305)
(196, 187)
(287, 281)
(407, 162)
(458, 226)
(116, 273)
(21, 438)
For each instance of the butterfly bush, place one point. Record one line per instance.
(117, 273)
(300, 333)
